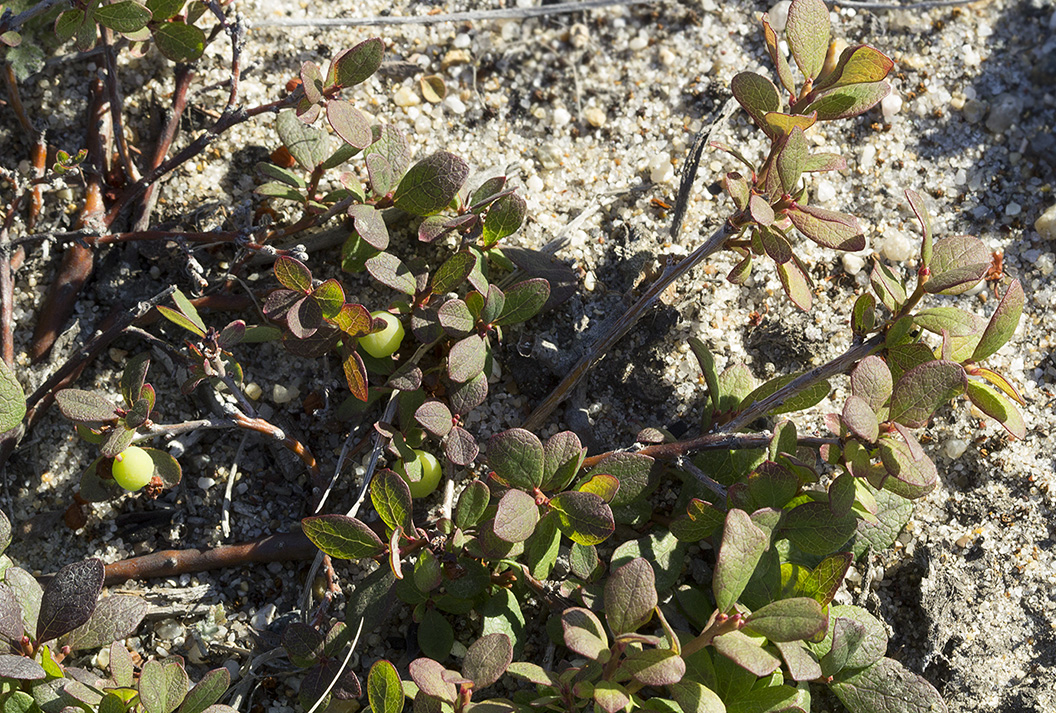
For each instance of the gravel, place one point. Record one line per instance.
(591, 114)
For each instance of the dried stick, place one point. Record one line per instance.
(512, 13)
(117, 106)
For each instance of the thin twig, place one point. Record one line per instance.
(512, 13)
(14, 22)
(623, 326)
(689, 168)
(117, 107)
(340, 669)
(229, 488)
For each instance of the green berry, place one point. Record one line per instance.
(133, 468)
(384, 343)
(430, 474)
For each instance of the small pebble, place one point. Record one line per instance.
(973, 111)
(595, 116)
(117, 356)
(890, 105)
(1046, 223)
(1004, 112)
(254, 391)
(205, 483)
(896, 247)
(454, 104)
(561, 116)
(954, 448)
(232, 668)
(461, 41)
(853, 263)
(282, 395)
(454, 58)
(963, 541)
(824, 192)
(660, 168)
(779, 15)
(639, 43)
(549, 156)
(263, 617)
(1013, 209)
(169, 629)
(405, 96)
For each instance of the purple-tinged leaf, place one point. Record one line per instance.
(916, 202)
(304, 318)
(85, 406)
(425, 323)
(355, 65)
(756, 94)
(384, 688)
(293, 274)
(746, 653)
(312, 84)
(342, 537)
(461, 447)
(858, 64)
(303, 644)
(998, 407)
(886, 686)
(466, 359)
(369, 225)
(516, 516)
(871, 381)
(848, 101)
(563, 455)
(583, 517)
(828, 228)
(434, 417)
(859, 417)
(737, 187)
(392, 500)
(504, 218)
(784, 72)
(802, 666)
(794, 619)
(20, 668)
(822, 162)
(162, 686)
(925, 388)
(610, 697)
(115, 618)
(958, 263)
(428, 676)
(516, 456)
(387, 269)
(431, 184)
(11, 625)
(408, 377)
(743, 543)
(792, 158)
(494, 305)
(69, 599)
(1002, 324)
(456, 319)
(796, 283)
(348, 122)
(693, 697)
(635, 471)
(487, 659)
(523, 301)
(309, 145)
(740, 272)
(812, 528)
(466, 397)
(655, 667)
(630, 596)
(807, 31)
(911, 474)
(202, 697)
(584, 633)
(452, 273)
(760, 210)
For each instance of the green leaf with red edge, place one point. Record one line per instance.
(84, 406)
(455, 318)
(1002, 324)
(998, 407)
(911, 474)
(355, 65)
(859, 417)
(812, 528)
(384, 688)
(828, 228)
(584, 634)
(117, 441)
(824, 580)
(925, 388)
(737, 187)
(778, 123)
(821, 162)
(784, 72)
(916, 202)
(791, 159)
(848, 101)
(20, 668)
(387, 158)
(504, 218)
(776, 246)
(204, 695)
(435, 417)
(602, 485)
(807, 30)
(428, 675)
(654, 667)
(630, 596)
(756, 94)
(312, 84)
(487, 659)
(452, 273)
(871, 381)
(466, 397)
(330, 297)
(293, 274)
(516, 456)
(583, 517)
(858, 64)
(355, 372)
(124, 16)
(746, 653)
(352, 125)
(796, 283)
(461, 447)
(563, 454)
(342, 537)
(760, 210)
(958, 263)
(887, 685)
(466, 358)
(516, 516)
(369, 225)
(793, 619)
(610, 697)
(392, 500)
(523, 301)
(431, 184)
(801, 664)
(390, 271)
(635, 472)
(743, 543)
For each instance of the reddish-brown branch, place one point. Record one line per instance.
(171, 563)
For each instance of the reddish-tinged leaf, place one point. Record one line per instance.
(11, 627)
(516, 516)
(746, 653)
(293, 274)
(923, 389)
(355, 65)
(998, 407)
(916, 202)
(516, 456)
(802, 666)
(431, 184)
(760, 210)
(461, 447)
(434, 417)
(737, 188)
(807, 31)
(630, 596)
(958, 263)
(655, 667)
(756, 94)
(845, 102)
(963, 329)
(821, 162)
(611, 697)
(207, 692)
(369, 225)
(303, 644)
(428, 676)
(828, 228)
(886, 686)
(858, 64)
(563, 455)
(162, 686)
(69, 599)
(743, 543)
(466, 358)
(487, 659)
(1002, 324)
(312, 83)
(860, 419)
(352, 125)
(116, 617)
(355, 373)
(20, 668)
(390, 271)
(911, 473)
(871, 381)
(796, 283)
(466, 397)
(635, 471)
(392, 500)
(784, 72)
(85, 406)
(584, 633)
(583, 517)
